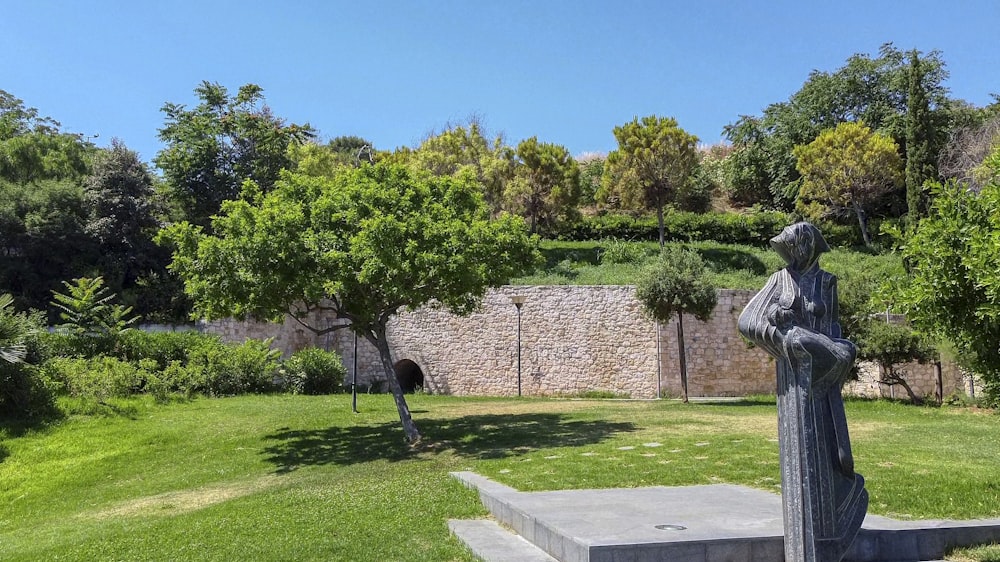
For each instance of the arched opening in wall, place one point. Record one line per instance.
(409, 375)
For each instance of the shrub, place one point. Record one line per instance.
(620, 251)
(93, 323)
(161, 347)
(99, 378)
(23, 392)
(314, 371)
(228, 370)
(175, 378)
(754, 228)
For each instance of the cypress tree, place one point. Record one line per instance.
(920, 165)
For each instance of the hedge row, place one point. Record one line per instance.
(753, 229)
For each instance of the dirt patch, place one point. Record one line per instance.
(184, 501)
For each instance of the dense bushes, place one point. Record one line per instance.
(753, 229)
(731, 228)
(161, 364)
(22, 393)
(229, 370)
(94, 357)
(313, 371)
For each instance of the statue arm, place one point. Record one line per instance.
(758, 320)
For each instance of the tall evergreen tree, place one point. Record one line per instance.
(920, 161)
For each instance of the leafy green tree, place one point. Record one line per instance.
(43, 239)
(212, 149)
(920, 140)
(761, 170)
(847, 169)
(360, 245)
(655, 158)
(22, 393)
(953, 290)
(90, 316)
(873, 90)
(546, 184)
(677, 283)
(591, 169)
(32, 148)
(123, 219)
(322, 159)
(989, 170)
(466, 147)
(890, 345)
(14, 329)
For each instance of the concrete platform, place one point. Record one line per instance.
(489, 541)
(694, 523)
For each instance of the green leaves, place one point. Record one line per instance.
(87, 309)
(14, 330)
(466, 149)
(846, 169)
(676, 283)
(372, 239)
(869, 89)
(546, 185)
(654, 159)
(212, 149)
(953, 257)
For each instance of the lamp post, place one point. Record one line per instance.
(518, 301)
(354, 377)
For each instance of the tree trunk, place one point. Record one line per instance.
(680, 355)
(378, 339)
(938, 384)
(659, 220)
(892, 378)
(863, 222)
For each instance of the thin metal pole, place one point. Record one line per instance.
(354, 377)
(518, 350)
(683, 359)
(659, 358)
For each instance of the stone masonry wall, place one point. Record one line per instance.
(921, 378)
(719, 361)
(574, 339)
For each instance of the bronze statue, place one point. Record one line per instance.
(795, 319)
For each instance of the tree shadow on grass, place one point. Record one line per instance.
(474, 437)
(721, 260)
(553, 256)
(740, 402)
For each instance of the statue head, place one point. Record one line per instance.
(800, 245)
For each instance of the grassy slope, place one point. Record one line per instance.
(285, 477)
(732, 266)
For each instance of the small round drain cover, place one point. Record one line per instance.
(671, 527)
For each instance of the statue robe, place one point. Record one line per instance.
(794, 319)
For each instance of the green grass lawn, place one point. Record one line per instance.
(300, 478)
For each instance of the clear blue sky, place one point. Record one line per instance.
(392, 71)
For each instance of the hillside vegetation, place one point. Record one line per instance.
(733, 266)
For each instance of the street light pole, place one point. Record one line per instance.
(354, 377)
(518, 301)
